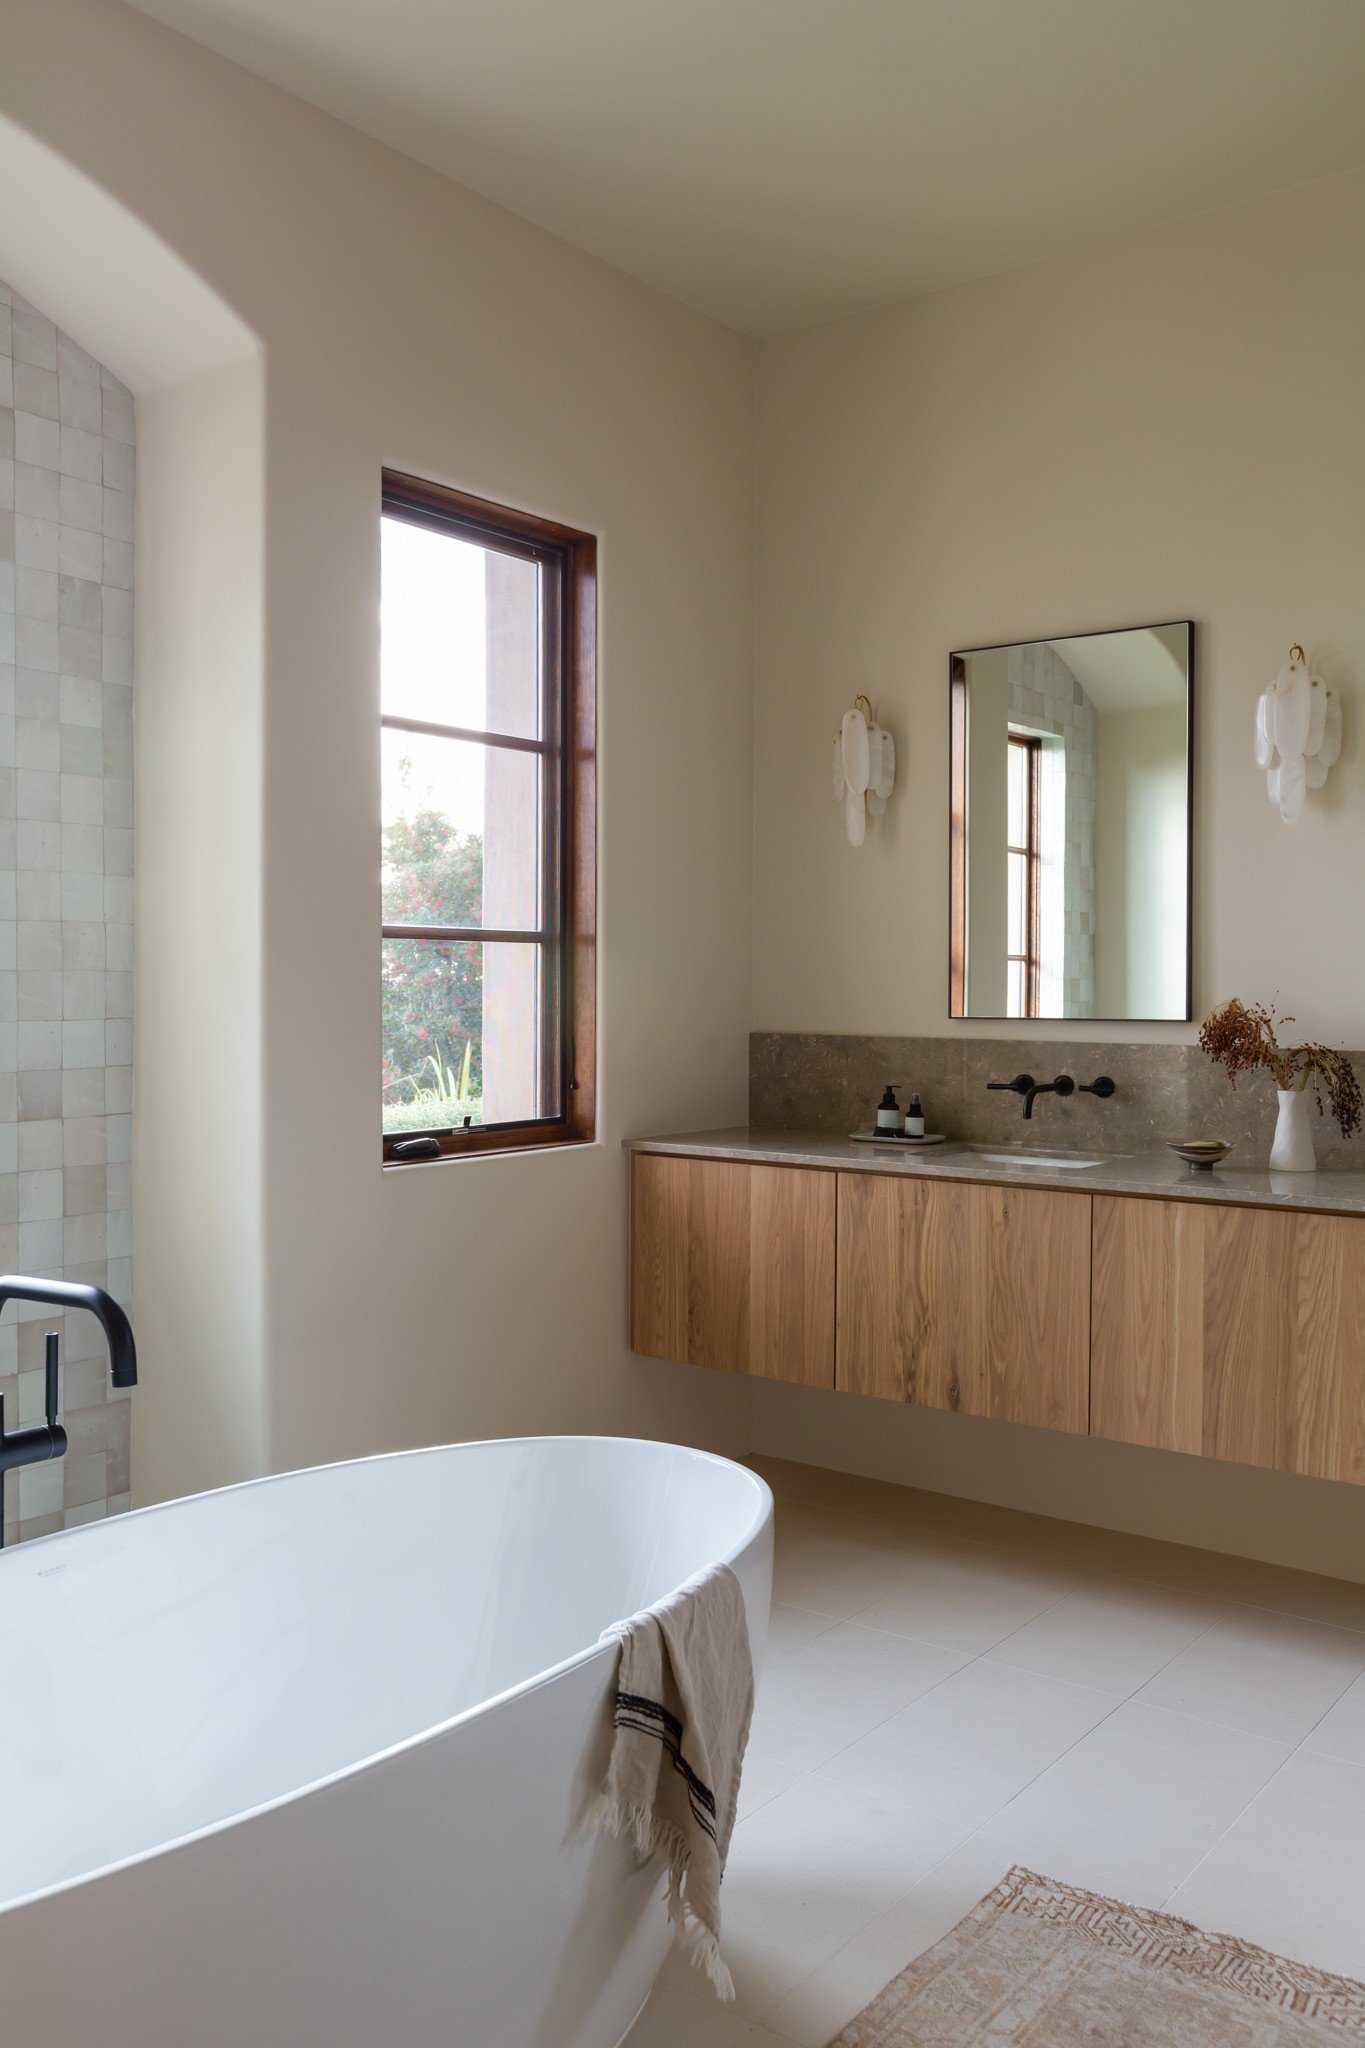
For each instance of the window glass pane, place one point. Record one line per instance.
(460, 641)
(1015, 936)
(1014, 988)
(461, 833)
(1016, 830)
(462, 1034)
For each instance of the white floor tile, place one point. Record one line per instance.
(841, 1493)
(984, 1681)
(678, 2019)
(838, 1566)
(1290, 1873)
(1341, 1731)
(1270, 1674)
(968, 1597)
(1131, 1809)
(810, 1870)
(817, 1699)
(825, 2001)
(1338, 1601)
(763, 1778)
(1113, 1633)
(969, 1746)
(789, 1626)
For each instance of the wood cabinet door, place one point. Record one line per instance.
(733, 1266)
(963, 1296)
(1230, 1333)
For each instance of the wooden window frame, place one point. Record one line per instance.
(1031, 957)
(567, 748)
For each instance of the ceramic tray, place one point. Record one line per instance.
(897, 1138)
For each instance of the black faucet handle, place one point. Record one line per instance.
(1020, 1085)
(1064, 1085)
(1103, 1087)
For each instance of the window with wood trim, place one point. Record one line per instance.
(1022, 856)
(488, 620)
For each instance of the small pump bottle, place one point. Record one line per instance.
(914, 1118)
(888, 1114)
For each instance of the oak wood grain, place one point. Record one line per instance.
(658, 1255)
(967, 1297)
(732, 1266)
(718, 1265)
(1230, 1333)
(791, 1275)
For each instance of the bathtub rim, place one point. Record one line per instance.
(375, 1758)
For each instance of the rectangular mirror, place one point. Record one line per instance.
(1071, 827)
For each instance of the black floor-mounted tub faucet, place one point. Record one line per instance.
(47, 1440)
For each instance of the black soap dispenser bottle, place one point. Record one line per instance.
(888, 1114)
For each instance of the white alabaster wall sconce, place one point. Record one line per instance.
(864, 768)
(1298, 734)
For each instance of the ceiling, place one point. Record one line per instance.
(778, 163)
(1139, 671)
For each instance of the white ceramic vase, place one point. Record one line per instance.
(1292, 1151)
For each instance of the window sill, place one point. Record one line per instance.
(519, 1147)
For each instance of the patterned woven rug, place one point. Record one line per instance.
(1041, 1965)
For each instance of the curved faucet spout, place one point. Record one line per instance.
(1063, 1085)
(118, 1330)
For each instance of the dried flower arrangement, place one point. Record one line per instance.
(1244, 1036)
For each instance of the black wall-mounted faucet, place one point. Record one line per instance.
(47, 1440)
(1025, 1085)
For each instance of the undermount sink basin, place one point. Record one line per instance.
(1048, 1160)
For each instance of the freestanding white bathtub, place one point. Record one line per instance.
(305, 1763)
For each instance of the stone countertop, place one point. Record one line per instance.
(1137, 1173)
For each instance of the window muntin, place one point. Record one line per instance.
(487, 823)
(1022, 857)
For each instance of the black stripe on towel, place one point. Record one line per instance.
(651, 1717)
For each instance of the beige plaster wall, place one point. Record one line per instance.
(404, 320)
(1171, 425)
(1168, 426)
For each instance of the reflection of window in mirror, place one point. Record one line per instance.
(1023, 837)
(1070, 826)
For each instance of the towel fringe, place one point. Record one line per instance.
(702, 1950)
(653, 1836)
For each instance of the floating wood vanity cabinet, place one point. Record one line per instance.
(1226, 1330)
(733, 1266)
(962, 1296)
(1231, 1332)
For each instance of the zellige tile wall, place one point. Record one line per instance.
(66, 892)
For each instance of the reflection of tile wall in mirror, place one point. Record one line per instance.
(1074, 903)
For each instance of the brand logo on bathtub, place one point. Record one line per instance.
(50, 1571)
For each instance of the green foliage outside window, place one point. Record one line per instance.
(433, 988)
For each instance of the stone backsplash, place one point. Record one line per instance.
(829, 1082)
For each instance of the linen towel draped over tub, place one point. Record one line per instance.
(684, 1701)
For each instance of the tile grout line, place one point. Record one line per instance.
(987, 1656)
(970, 1835)
(1242, 1810)
(1132, 1696)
